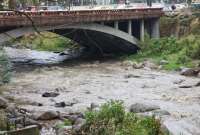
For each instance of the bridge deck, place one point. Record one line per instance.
(48, 18)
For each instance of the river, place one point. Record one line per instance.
(83, 83)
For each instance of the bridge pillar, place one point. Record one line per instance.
(142, 30)
(130, 27)
(155, 32)
(116, 25)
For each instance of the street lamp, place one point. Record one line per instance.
(149, 3)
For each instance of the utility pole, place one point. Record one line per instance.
(149, 3)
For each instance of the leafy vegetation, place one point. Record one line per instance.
(4, 68)
(46, 41)
(66, 122)
(184, 52)
(112, 119)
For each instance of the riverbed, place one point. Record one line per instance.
(83, 83)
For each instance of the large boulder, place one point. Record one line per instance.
(30, 122)
(46, 115)
(139, 108)
(190, 72)
(3, 103)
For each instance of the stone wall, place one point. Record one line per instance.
(181, 24)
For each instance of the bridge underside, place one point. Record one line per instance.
(99, 42)
(97, 38)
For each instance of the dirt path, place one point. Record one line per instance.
(88, 83)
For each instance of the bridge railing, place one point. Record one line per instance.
(76, 13)
(47, 18)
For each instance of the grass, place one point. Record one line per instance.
(46, 41)
(66, 122)
(3, 121)
(183, 52)
(112, 119)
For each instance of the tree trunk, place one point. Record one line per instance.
(12, 4)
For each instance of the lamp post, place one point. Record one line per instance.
(149, 3)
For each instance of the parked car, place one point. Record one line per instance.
(181, 6)
(31, 8)
(195, 4)
(55, 8)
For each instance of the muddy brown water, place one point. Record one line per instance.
(84, 83)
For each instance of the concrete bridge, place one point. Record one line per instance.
(105, 30)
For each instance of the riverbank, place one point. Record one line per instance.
(179, 45)
(169, 52)
(81, 84)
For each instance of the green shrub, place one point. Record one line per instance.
(46, 41)
(3, 121)
(191, 46)
(112, 119)
(178, 52)
(4, 68)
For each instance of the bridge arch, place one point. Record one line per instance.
(104, 38)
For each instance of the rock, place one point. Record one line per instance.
(147, 68)
(29, 122)
(65, 130)
(3, 103)
(198, 75)
(71, 103)
(19, 126)
(164, 62)
(93, 106)
(100, 97)
(179, 81)
(127, 63)
(160, 112)
(72, 117)
(87, 92)
(79, 123)
(189, 72)
(50, 94)
(197, 84)
(12, 109)
(137, 65)
(164, 129)
(138, 107)
(35, 104)
(46, 115)
(60, 104)
(186, 86)
(149, 64)
(131, 76)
